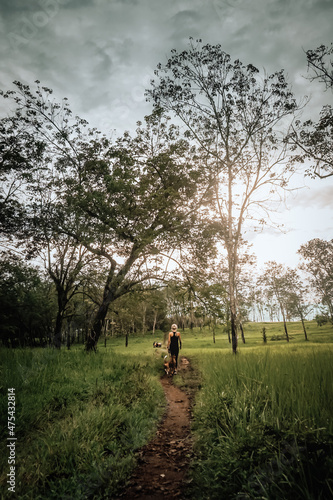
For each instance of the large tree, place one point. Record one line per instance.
(66, 259)
(31, 189)
(27, 303)
(232, 113)
(124, 200)
(66, 262)
(318, 257)
(277, 287)
(137, 203)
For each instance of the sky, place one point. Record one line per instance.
(101, 55)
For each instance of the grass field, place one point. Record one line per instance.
(79, 419)
(263, 423)
(262, 420)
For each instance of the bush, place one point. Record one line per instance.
(321, 319)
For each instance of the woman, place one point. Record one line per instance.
(174, 343)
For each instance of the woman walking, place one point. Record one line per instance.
(174, 343)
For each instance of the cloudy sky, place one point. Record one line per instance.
(101, 55)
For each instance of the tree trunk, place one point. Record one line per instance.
(233, 309)
(57, 331)
(68, 337)
(234, 339)
(261, 313)
(285, 324)
(303, 325)
(97, 327)
(264, 336)
(155, 320)
(191, 312)
(304, 329)
(242, 331)
(62, 303)
(285, 329)
(111, 289)
(144, 312)
(283, 313)
(232, 257)
(330, 308)
(228, 323)
(105, 331)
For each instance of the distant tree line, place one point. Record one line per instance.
(29, 305)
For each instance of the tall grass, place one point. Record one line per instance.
(79, 419)
(263, 425)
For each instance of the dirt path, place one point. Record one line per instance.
(164, 461)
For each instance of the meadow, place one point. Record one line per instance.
(262, 420)
(79, 419)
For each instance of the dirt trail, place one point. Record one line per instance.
(164, 461)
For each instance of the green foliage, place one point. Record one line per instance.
(313, 141)
(264, 336)
(27, 303)
(321, 319)
(79, 419)
(139, 311)
(318, 257)
(124, 201)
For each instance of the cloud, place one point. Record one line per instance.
(101, 54)
(107, 45)
(320, 197)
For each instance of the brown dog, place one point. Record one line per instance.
(170, 365)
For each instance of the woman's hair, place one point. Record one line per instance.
(174, 327)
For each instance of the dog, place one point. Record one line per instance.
(170, 365)
(157, 344)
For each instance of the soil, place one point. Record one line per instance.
(163, 463)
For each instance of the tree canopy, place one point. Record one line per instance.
(313, 141)
(124, 201)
